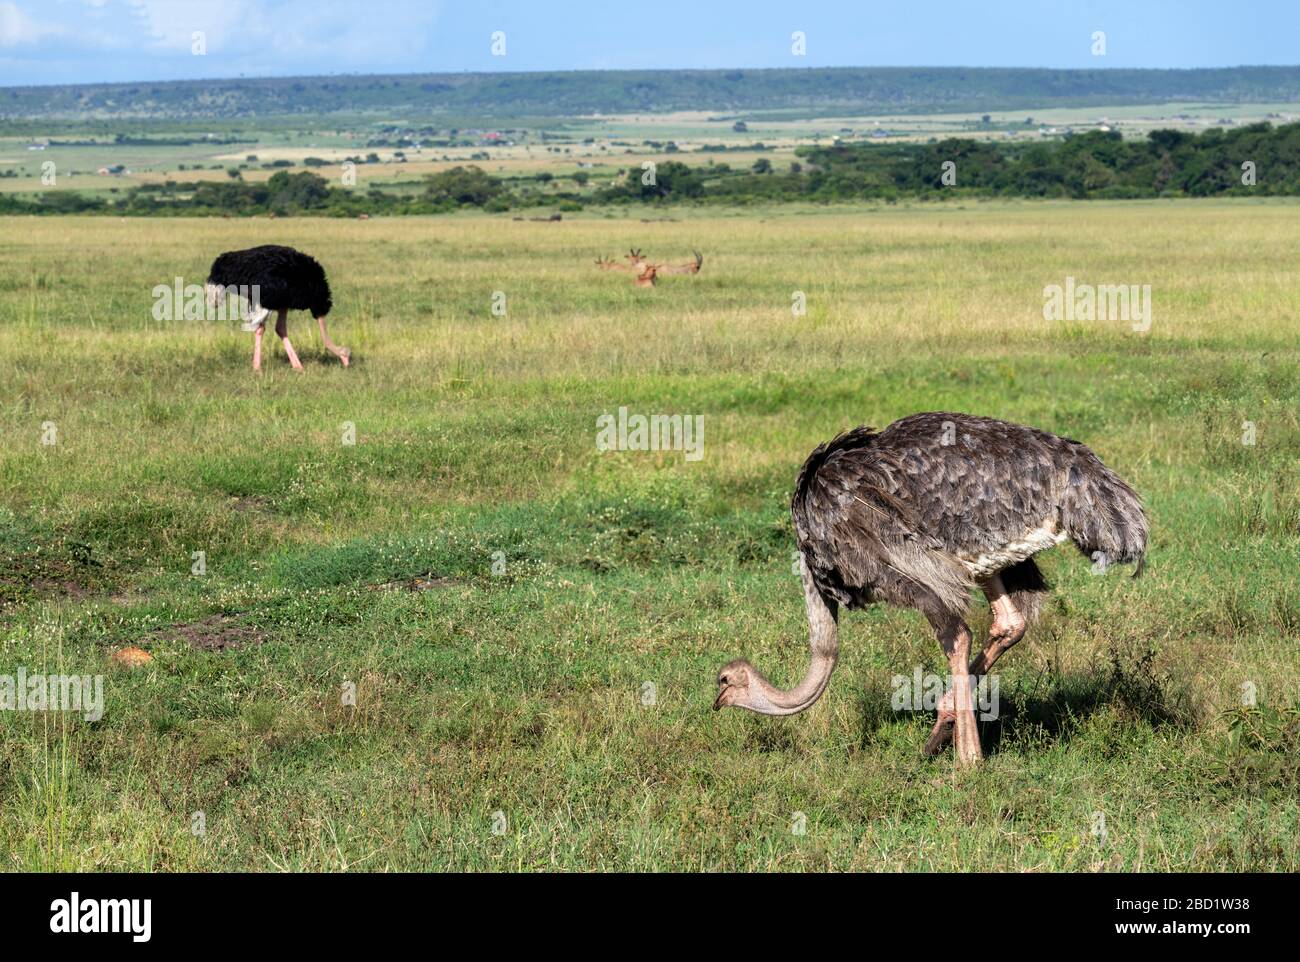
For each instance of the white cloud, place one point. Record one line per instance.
(172, 25)
(17, 28)
(154, 39)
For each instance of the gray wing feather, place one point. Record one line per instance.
(891, 515)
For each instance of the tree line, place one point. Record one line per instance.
(1248, 160)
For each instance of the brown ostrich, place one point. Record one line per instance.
(921, 513)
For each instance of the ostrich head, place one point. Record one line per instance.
(741, 685)
(733, 684)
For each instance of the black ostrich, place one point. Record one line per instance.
(277, 279)
(920, 513)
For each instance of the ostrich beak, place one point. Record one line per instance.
(718, 702)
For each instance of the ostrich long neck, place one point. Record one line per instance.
(824, 642)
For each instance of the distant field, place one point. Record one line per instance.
(558, 145)
(502, 718)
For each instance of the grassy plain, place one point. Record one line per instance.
(524, 692)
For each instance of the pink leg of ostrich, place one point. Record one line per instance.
(956, 641)
(282, 329)
(342, 353)
(257, 347)
(1008, 628)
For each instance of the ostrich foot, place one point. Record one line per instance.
(342, 353)
(942, 733)
(949, 726)
(293, 357)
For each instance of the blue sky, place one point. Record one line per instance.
(82, 41)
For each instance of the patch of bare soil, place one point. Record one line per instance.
(60, 586)
(65, 570)
(214, 633)
(252, 502)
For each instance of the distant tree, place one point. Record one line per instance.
(762, 166)
(1169, 140)
(672, 180)
(462, 186)
(740, 126)
(1164, 174)
(68, 202)
(302, 191)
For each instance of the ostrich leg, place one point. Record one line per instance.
(1008, 628)
(282, 330)
(257, 347)
(342, 353)
(956, 641)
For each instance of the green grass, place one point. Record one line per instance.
(521, 692)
